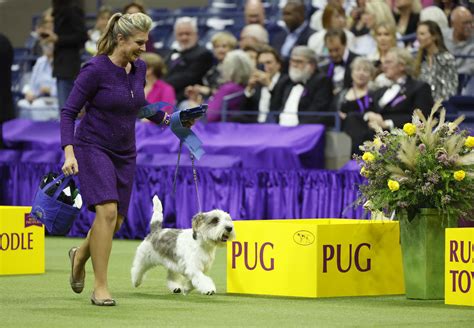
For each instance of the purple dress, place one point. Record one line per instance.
(104, 141)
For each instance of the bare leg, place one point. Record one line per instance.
(100, 246)
(83, 253)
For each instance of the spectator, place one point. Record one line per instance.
(297, 33)
(264, 86)
(44, 27)
(436, 15)
(103, 16)
(6, 61)
(358, 25)
(407, 16)
(434, 64)
(352, 103)
(338, 69)
(187, 64)
(155, 88)
(236, 70)
(252, 51)
(253, 35)
(41, 102)
(333, 18)
(394, 105)
(386, 38)
(68, 37)
(310, 90)
(254, 12)
(460, 40)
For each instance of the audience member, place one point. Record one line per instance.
(376, 12)
(41, 102)
(394, 105)
(297, 33)
(434, 63)
(386, 38)
(43, 29)
(338, 68)
(252, 51)
(436, 15)
(187, 64)
(333, 18)
(7, 111)
(316, 19)
(254, 12)
(352, 103)
(103, 16)
(460, 40)
(236, 71)
(310, 90)
(264, 86)
(155, 88)
(253, 35)
(407, 16)
(358, 25)
(69, 37)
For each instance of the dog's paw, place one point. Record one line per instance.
(209, 292)
(177, 291)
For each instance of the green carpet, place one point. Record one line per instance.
(46, 301)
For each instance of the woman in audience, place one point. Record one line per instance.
(103, 16)
(376, 12)
(41, 102)
(407, 17)
(354, 102)
(434, 64)
(236, 70)
(155, 88)
(333, 17)
(394, 105)
(386, 38)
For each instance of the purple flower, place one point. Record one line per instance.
(422, 148)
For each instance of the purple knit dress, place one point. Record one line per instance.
(104, 141)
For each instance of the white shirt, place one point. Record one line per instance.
(289, 116)
(265, 96)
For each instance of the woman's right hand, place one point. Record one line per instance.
(70, 166)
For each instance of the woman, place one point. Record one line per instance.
(434, 64)
(111, 84)
(407, 16)
(386, 38)
(394, 105)
(354, 102)
(155, 88)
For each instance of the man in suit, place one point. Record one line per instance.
(264, 87)
(339, 66)
(309, 90)
(394, 105)
(189, 62)
(297, 33)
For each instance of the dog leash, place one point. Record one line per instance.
(194, 176)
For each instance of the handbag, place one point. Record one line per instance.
(56, 215)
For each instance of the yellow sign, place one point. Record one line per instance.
(459, 266)
(315, 258)
(21, 242)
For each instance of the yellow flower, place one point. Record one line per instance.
(377, 142)
(459, 175)
(393, 185)
(368, 157)
(469, 142)
(409, 129)
(364, 172)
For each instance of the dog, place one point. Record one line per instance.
(187, 254)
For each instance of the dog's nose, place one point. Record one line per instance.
(228, 229)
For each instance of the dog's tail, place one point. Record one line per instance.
(157, 217)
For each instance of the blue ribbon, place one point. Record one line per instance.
(151, 109)
(186, 136)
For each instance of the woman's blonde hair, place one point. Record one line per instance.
(391, 29)
(237, 67)
(224, 38)
(381, 11)
(124, 24)
(365, 63)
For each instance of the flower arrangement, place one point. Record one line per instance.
(427, 164)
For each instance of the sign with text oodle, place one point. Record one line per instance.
(21, 241)
(315, 258)
(459, 266)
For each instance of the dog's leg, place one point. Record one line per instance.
(141, 263)
(175, 284)
(202, 283)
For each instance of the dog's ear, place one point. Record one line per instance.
(198, 220)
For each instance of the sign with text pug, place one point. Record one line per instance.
(315, 258)
(21, 241)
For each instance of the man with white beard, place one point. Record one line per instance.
(308, 91)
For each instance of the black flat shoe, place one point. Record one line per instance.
(104, 302)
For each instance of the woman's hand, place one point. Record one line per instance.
(70, 166)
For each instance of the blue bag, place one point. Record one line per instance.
(57, 216)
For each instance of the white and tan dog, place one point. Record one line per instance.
(188, 254)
